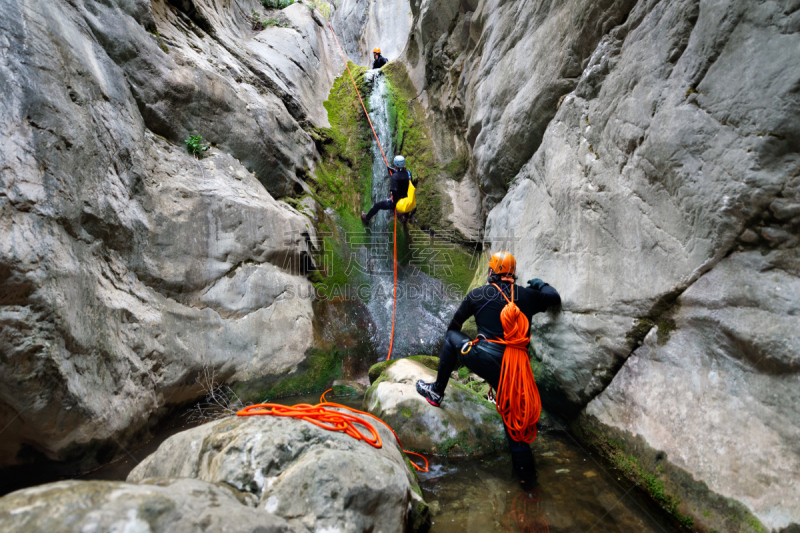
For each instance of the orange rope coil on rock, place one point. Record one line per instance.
(322, 415)
(518, 399)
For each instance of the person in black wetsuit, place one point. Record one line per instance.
(485, 358)
(378, 59)
(398, 188)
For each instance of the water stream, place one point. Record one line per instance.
(424, 305)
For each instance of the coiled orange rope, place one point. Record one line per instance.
(321, 415)
(518, 399)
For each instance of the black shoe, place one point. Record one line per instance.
(524, 469)
(364, 218)
(428, 391)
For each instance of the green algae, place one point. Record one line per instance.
(691, 502)
(343, 177)
(412, 138)
(315, 374)
(378, 370)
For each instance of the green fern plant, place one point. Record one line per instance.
(196, 146)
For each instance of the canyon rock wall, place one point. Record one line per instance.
(363, 25)
(128, 268)
(642, 157)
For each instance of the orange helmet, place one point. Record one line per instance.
(503, 263)
(376, 50)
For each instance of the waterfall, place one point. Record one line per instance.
(424, 306)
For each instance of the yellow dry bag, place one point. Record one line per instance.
(407, 204)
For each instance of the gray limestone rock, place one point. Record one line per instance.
(363, 25)
(492, 73)
(157, 506)
(317, 480)
(720, 394)
(648, 174)
(204, 71)
(640, 144)
(129, 268)
(465, 424)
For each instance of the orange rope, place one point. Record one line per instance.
(357, 93)
(518, 399)
(323, 416)
(394, 303)
(347, 66)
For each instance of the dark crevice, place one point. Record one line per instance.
(194, 14)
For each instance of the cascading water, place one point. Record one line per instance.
(424, 305)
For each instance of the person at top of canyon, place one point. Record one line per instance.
(378, 59)
(399, 177)
(483, 357)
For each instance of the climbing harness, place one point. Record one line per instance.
(517, 397)
(410, 186)
(323, 415)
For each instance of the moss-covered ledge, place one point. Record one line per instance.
(690, 501)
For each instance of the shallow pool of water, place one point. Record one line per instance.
(576, 492)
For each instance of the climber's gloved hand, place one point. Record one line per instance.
(536, 284)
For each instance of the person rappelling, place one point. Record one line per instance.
(377, 59)
(502, 311)
(399, 186)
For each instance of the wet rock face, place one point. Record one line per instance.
(128, 267)
(723, 383)
(465, 424)
(317, 480)
(157, 506)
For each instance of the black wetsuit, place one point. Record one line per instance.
(398, 189)
(381, 61)
(485, 359)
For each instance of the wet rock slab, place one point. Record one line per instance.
(465, 424)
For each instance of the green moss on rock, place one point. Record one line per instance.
(691, 502)
(378, 369)
(316, 373)
(342, 179)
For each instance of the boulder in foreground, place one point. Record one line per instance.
(159, 506)
(317, 480)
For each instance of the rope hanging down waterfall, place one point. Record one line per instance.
(394, 304)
